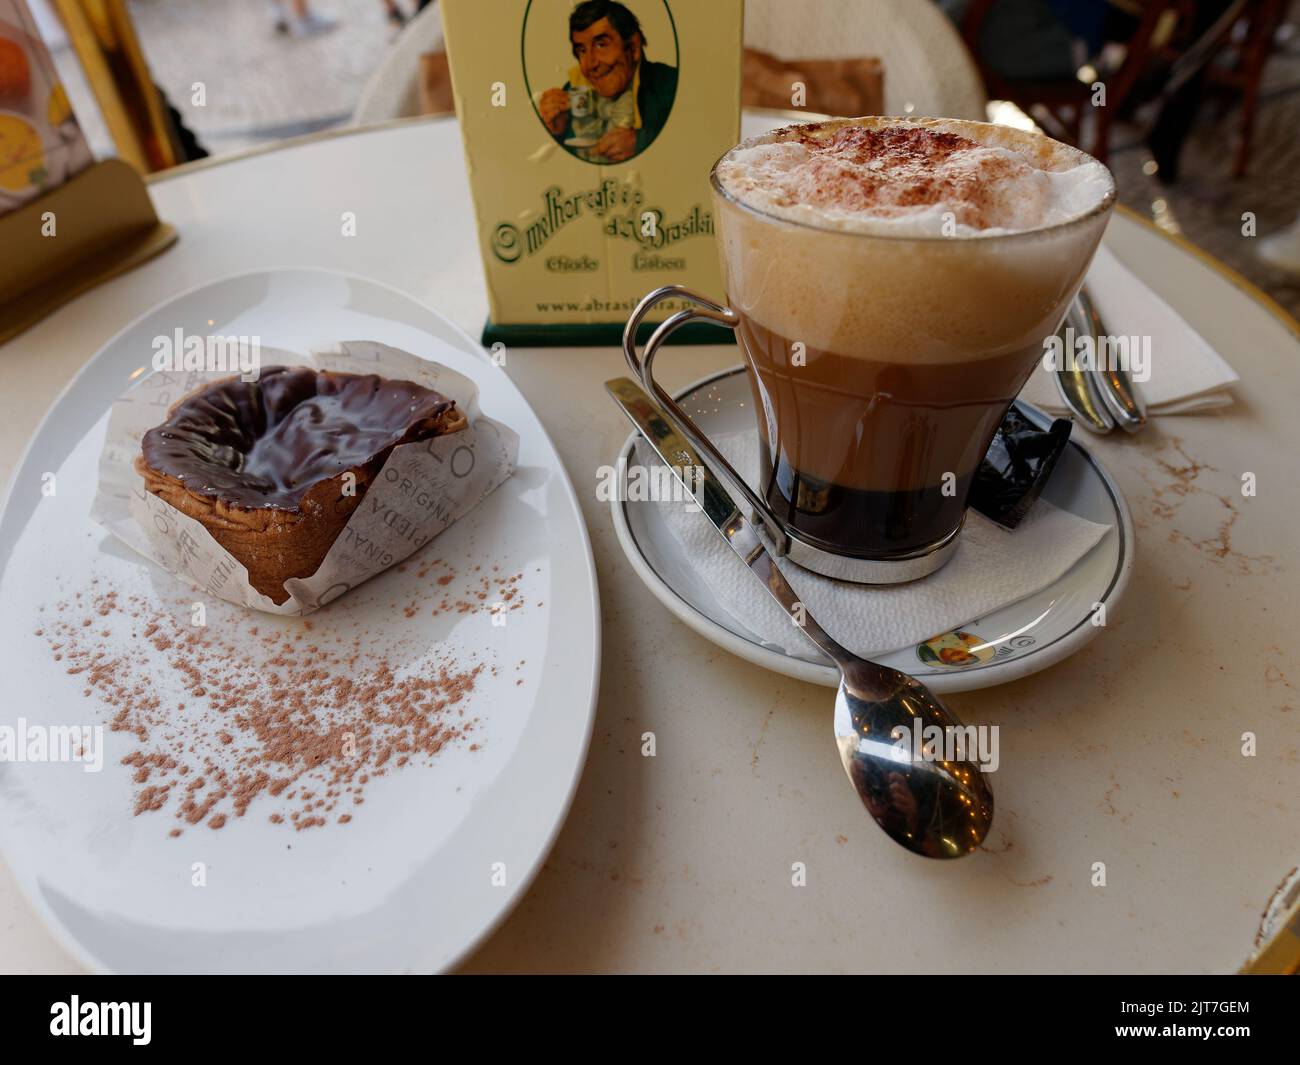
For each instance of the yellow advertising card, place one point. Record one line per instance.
(590, 129)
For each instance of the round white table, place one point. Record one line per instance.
(1128, 753)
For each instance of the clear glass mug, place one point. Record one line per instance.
(880, 367)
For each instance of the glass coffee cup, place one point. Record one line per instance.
(882, 357)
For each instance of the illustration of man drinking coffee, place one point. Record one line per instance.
(616, 100)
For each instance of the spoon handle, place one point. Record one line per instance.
(720, 508)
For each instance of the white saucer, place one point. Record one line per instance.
(1014, 641)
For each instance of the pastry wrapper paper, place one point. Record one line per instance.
(422, 488)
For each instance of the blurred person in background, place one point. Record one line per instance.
(303, 22)
(396, 16)
(1049, 40)
(1035, 40)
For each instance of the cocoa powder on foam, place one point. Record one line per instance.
(297, 720)
(891, 170)
(905, 177)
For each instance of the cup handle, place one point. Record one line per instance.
(642, 369)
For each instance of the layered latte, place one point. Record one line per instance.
(894, 282)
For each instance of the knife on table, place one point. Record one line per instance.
(1114, 385)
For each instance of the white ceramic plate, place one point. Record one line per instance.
(1014, 641)
(441, 850)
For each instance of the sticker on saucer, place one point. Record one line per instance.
(956, 649)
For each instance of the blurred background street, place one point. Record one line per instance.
(263, 85)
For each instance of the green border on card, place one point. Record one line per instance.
(595, 334)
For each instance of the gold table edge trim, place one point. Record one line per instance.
(1280, 956)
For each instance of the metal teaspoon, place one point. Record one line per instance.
(934, 807)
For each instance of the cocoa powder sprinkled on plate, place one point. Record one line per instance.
(294, 718)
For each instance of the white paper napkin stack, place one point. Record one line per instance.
(1187, 375)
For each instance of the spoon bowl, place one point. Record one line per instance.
(908, 758)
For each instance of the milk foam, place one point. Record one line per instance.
(914, 178)
(916, 300)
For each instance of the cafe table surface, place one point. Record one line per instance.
(1127, 756)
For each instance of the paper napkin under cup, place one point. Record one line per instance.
(1187, 375)
(991, 568)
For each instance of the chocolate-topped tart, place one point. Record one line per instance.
(263, 465)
